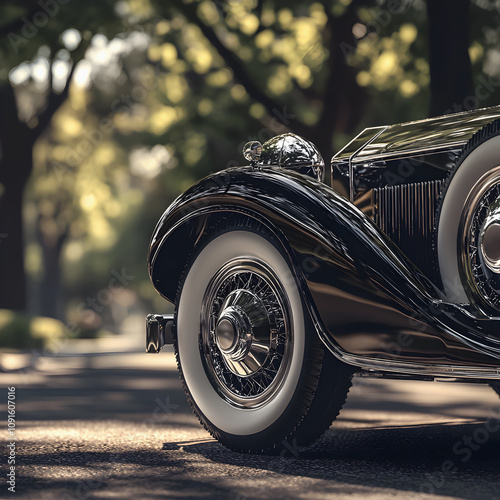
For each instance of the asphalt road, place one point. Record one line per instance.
(116, 425)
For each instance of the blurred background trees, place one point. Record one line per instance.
(109, 109)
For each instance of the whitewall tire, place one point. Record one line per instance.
(249, 363)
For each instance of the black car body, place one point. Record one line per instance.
(395, 257)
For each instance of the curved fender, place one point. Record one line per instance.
(364, 296)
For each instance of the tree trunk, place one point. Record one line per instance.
(51, 282)
(452, 88)
(16, 164)
(343, 99)
(12, 275)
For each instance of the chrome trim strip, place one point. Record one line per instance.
(419, 369)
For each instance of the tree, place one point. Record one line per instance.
(16, 164)
(224, 72)
(321, 86)
(449, 62)
(28, 28)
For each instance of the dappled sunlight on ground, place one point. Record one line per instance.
(117, 425)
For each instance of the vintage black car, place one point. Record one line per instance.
(285, 283)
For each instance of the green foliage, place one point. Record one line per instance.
(169, 91)
(18, 331)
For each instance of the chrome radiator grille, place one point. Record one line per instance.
(406, 213)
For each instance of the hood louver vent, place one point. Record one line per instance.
(406, 214)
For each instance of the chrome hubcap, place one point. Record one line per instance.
(227, 336)
(245, 335)
(233, 335)
(490, 246)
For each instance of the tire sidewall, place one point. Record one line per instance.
(214, 409)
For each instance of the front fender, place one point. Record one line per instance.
(364, 296)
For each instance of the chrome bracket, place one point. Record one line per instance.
(158, 332)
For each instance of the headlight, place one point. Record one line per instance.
(287, 151)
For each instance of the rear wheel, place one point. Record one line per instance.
(253, 369)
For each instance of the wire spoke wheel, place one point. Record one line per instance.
(480, 238)
(246, 334)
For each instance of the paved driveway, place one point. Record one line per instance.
(116, 425)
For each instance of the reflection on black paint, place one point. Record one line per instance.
(358, 273)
